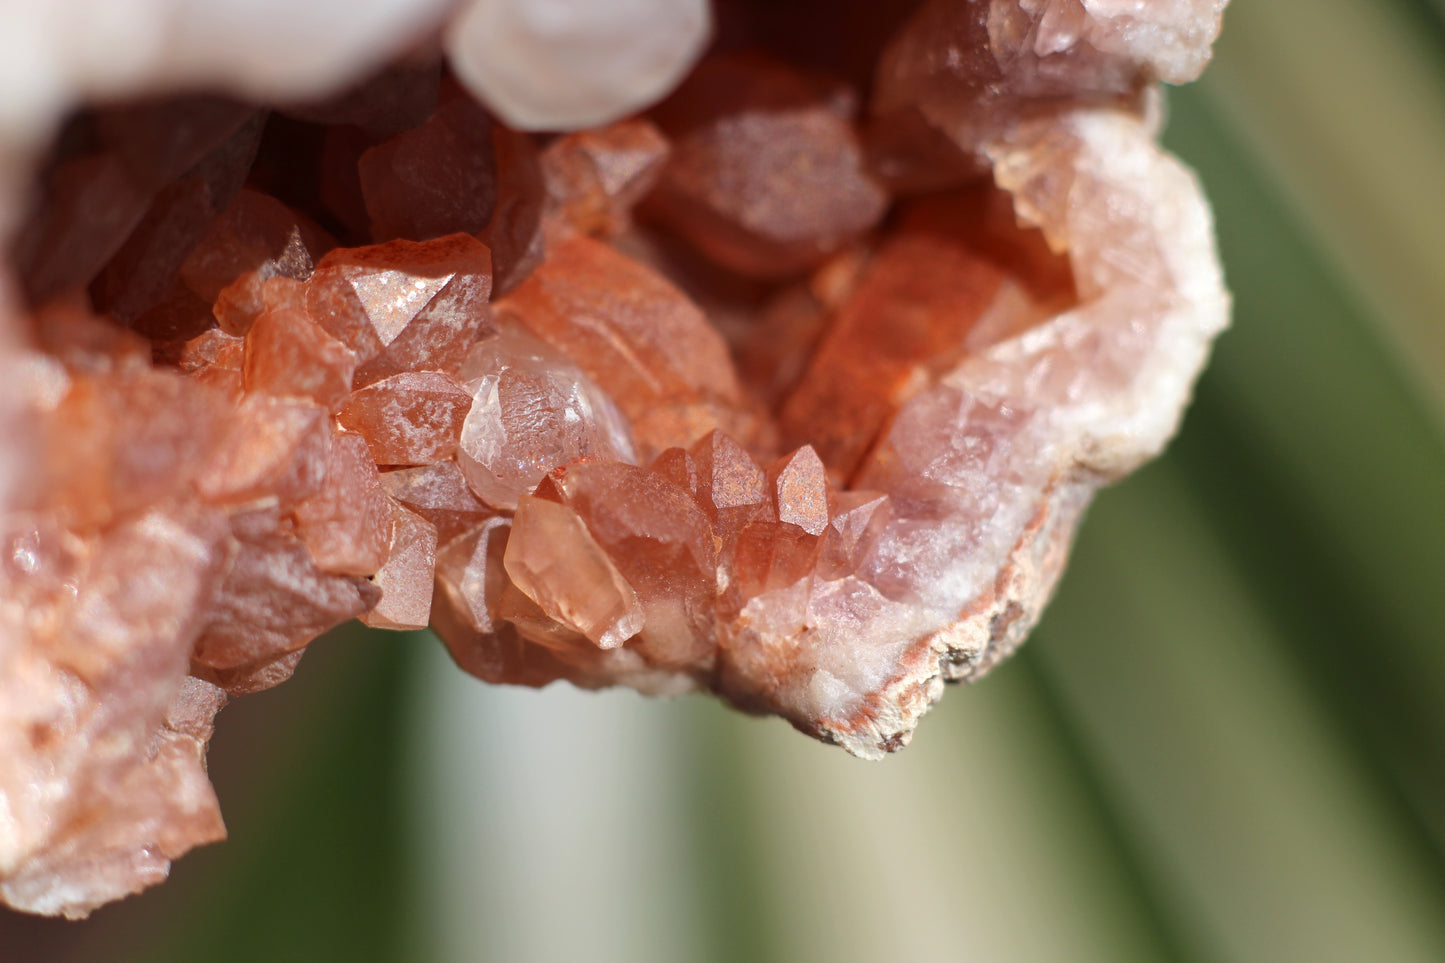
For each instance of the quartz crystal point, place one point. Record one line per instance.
(766, 175)
(437, 179)
(594, 178)
(779, 391)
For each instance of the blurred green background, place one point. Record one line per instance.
(1226, 741)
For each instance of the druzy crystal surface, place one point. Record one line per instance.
(784, 375)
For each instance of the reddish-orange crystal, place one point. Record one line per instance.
(412, 418)
(405, 580)
(403, 305)
(439, 493)
(289, 355)
(347, 525)
(595, 178)
(436, 179)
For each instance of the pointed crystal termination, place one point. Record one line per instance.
(662, 546)
(406, 578)
(574, 63)
(531, 411)
(258, 238)
(403, 305)
(595, 178)
(439, 493)
(438, 179)
(766, 175)
(557, 564)
(638, 337)
(347, 524)
(412, 418)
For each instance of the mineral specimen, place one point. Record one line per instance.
(792, 389)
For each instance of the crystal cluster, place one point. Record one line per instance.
(792, 387)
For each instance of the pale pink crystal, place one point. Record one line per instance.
(531, 412)
(558, 565)
(406, 578)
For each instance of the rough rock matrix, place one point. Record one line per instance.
(784, 373)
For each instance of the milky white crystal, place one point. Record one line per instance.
(568, 64)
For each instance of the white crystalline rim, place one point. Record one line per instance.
(1083, 443)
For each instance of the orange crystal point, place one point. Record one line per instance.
(213, 358)
(766, 175)
(436, 179)
(680, 468)
(558, 565)
(470, 584)
(412, 418)
(439, 493)
(595, 178)
(532, 411)
(800, 488)
(731, 485)
(289, 355)
(273, 602)
(403, 305)
(273, 448)
(258, 238)
(347, 525)
(470, 578)
(636, 335)
(662, 545)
